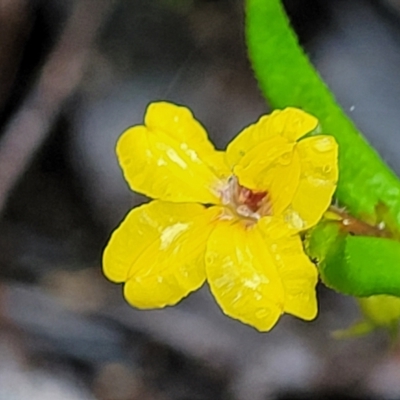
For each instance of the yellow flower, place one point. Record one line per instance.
(232, 218)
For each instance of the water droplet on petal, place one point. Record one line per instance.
(295, 124)
(170, 233)
(263, 313)
(285, 159)
(295, 220)
(326, 169)
(209, 259)
(323, 145)
(184, 272)
(257, 296)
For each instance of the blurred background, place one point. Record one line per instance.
(73, 75)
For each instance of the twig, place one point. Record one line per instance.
(14, 29)
(60, 76)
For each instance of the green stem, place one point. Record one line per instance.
(287, 78)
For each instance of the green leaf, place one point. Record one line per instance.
(360, 266)
(287, 78)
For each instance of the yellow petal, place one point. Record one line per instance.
(298, 274)
(170, 158)
(180, 124)
(158, 250)
(275, 227)
(291, 123)
(243, 276)
(319, 175)
(274, 167)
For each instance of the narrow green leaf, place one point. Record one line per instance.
(287, 78)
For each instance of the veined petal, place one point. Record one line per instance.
(298, 274)
(170, 158)
(274, 167)
(319, 175)
(158, 250)
(243, 275)
(291, 123)
(179, 123)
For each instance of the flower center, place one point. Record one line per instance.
(245, 202)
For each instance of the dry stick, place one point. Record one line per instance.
(14, 29)
(60, 76)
